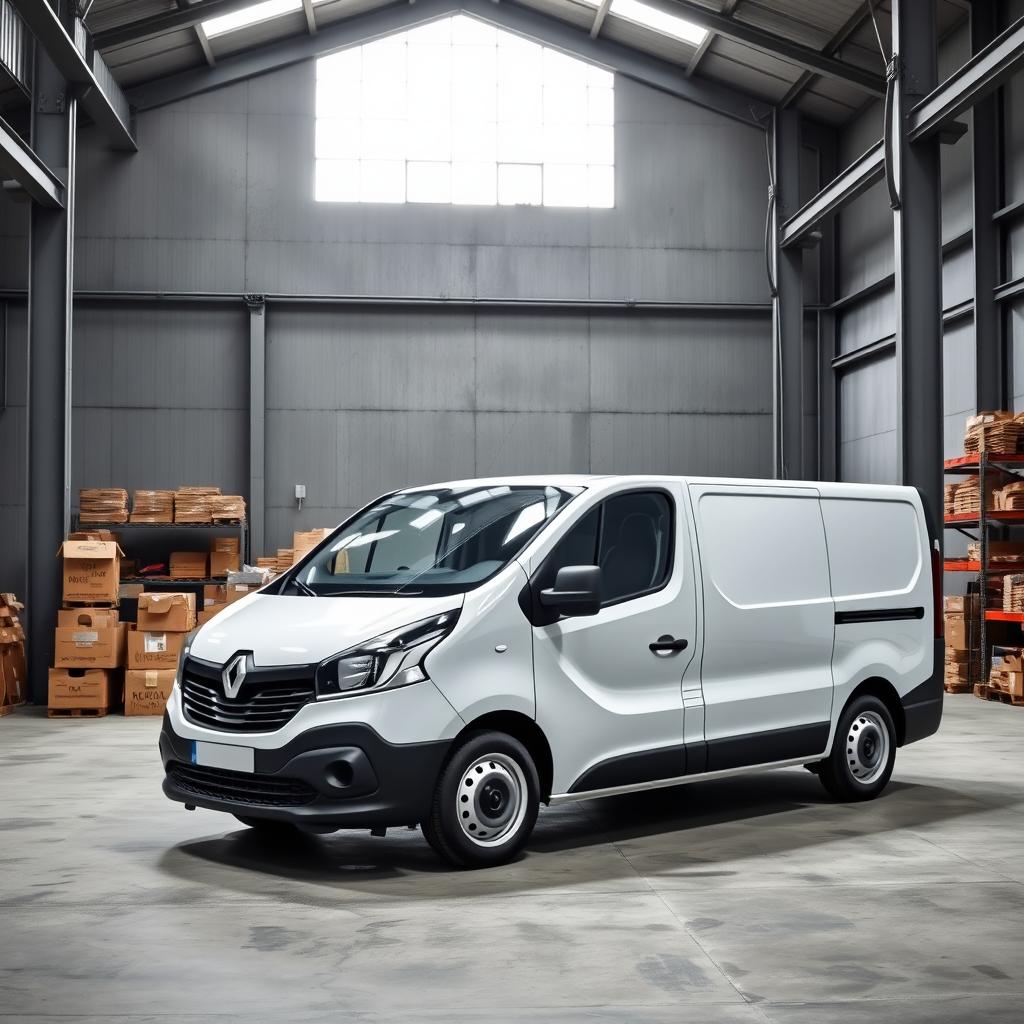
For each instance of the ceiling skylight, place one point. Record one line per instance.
(250, 16)
(656, 19)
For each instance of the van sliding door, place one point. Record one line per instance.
(769, 623)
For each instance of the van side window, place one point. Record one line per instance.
(635, 547)
(577, 547)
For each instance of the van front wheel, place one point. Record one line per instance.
(863, 752)
(485, 803)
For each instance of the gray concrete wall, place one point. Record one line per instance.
(219, 199)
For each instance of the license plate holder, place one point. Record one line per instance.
(224, 755)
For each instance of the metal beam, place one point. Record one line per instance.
(832, 47)
(100, 94)
(257, 419)
(788, 314)
(51, 256)
(978, 78)
(599, 15)
(20, 162)
(204, 45)
(662, 75)
(158, 24)
(774, 45)
(918, 262)
(856, 179)
(307, 9)
(728, 9)
(987, 162)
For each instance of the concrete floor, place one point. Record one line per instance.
(747, 900)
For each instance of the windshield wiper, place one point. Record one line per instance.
(301, 587)
(372, 593)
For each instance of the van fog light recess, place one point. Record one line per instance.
(341, 774)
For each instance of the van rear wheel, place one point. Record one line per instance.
(863, 752)
(486, 802)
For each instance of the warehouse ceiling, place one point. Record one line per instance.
(146, 41)
(841, 29)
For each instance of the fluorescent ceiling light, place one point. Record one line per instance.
(250, 16)
(657, 20)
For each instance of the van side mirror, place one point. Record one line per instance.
(577, 591)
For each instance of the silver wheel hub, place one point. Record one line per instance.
(491, 800)
(867, 747)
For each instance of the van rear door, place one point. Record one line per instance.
(881, 584)
(766, 671)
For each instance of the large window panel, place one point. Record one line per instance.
(457, 111)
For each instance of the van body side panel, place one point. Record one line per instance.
(610, 707)
(769, 623)
(881, 583)
(470, 670)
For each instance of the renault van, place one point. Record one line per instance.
(454, 656)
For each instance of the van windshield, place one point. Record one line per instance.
(427, 543)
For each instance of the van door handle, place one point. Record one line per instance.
(668, 644)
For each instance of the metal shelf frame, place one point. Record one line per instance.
(985, 465)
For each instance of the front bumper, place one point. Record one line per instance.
(330, 777)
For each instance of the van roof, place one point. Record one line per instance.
(606, 480)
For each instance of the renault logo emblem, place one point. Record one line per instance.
(233, 675)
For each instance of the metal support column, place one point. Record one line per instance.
(828, 328)
(51, 255)
(918, 260)
(986, 155)
(788, 309)
(257, 420)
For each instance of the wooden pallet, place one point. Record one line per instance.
(958, 687)
(8, 709)
(77, 712)
(986, 692)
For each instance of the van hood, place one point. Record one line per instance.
(297, 630)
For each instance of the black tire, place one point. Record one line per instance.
(863, 751)
(268, 826)
(485, 803)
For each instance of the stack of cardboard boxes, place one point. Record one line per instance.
(154, 644)
(89, 646)
(1007, 672)
(961, 615)
(13, 677)
(225, 557)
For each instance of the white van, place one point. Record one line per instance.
(455, 655)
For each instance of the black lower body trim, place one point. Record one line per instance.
(879, 615)
(633, 769)
(922, 707)
(767, 747)
(697, 758)
(349, 777)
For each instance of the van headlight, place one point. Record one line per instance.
(385, 662)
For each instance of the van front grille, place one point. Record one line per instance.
(268, 698)
(240, 787)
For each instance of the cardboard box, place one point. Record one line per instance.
(82, 616)
(146, 690)
(84, 688)
(89, 645)
(188, 565)
(209, 612)
(153, 650)
(226, 545)
(92, 571)
(956, 630)
(167, 612)
(223, 562)
(214, 593)
(963, 604)
(955, 673)
(1008, 659)
(13, 674)
(303, 541)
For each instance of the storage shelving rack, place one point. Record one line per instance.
(151, 531)
(984, 465)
